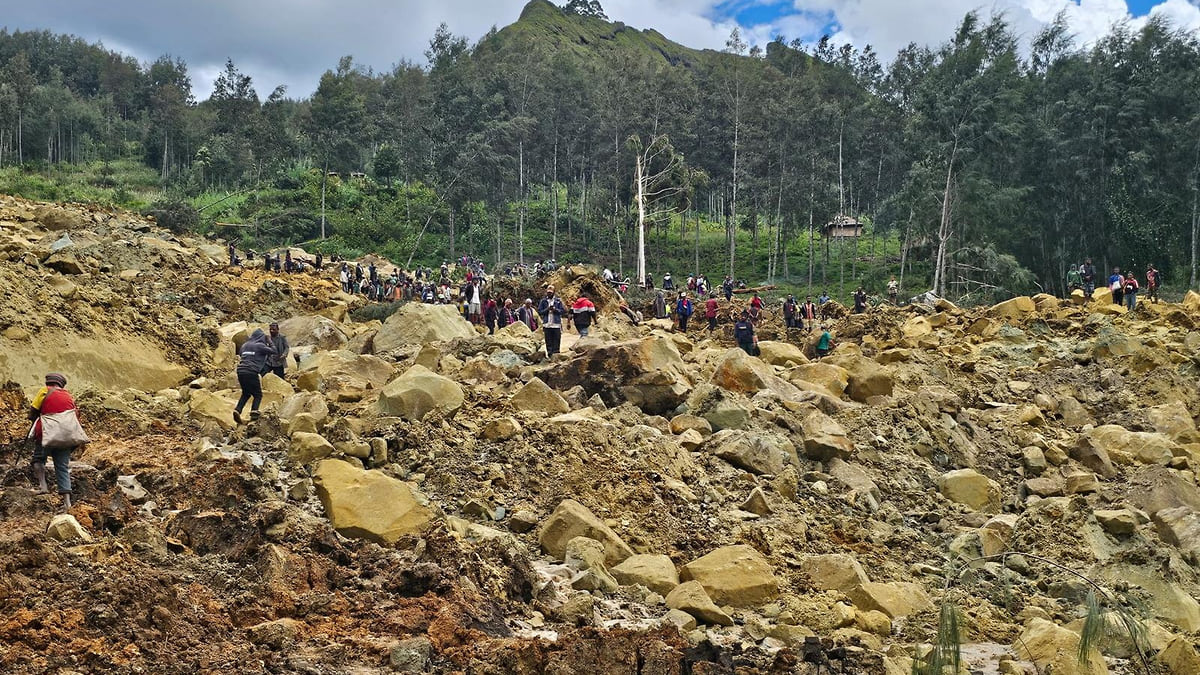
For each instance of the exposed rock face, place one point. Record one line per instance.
(368, 504)
(572, 519)
(740, 372)
(648, 373)
(734, 575)
(1055, 647)
(419, 391)
(312, 331)
(894, 599)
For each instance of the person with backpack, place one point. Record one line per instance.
(743, 333)
(252, 362)
(683, 310)
(1152, 283)
(1130, 289)
(583, 314)
(51, 402)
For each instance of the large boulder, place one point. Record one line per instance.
(781, 353)
(312, 331)
(107, 362)
(307, 447)
(537, 397)
(690, 597)
(571, 519)
(1175, 421)
(417, 324)
(823, 376)
(655, 572)
(899, 598)
(205, 406)
(866, 377)
(824, 438)
(63, 527)
(419, 391)
(648, 373)
(369, 504)
(738, 371)
(1180, 657)
(1180, 527)
(834, 572)
(1015, 309)
(342, 370)
(755, 452)
(1056, 649)
(308, 403)
(970, 488)
(734, 575)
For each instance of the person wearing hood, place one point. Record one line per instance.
(660, 306)
(252, 362)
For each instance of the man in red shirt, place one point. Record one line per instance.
(54, 398)
(710, 311)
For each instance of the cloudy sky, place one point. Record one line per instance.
(291, 42)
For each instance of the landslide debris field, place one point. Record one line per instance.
(420, 497)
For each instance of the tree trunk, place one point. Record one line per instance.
(904, 247)
(641, 211)
(324, 180)
(944, 229)
(521, 216)
(554, 207)
(452, 256)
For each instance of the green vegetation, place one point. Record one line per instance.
(980, 168)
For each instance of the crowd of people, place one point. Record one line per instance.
(1124, 287)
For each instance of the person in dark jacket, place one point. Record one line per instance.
(743, 332)
(551, 309)
(252, 361)
(277, 361)
(491, 314)
(583, 313)
(507, 315)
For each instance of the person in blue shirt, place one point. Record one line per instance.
(683, 310)
(1116, 283)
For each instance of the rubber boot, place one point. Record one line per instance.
(254, 415)
(237, 416)
(39, 475)
(66, 501)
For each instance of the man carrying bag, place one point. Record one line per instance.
(56, 431)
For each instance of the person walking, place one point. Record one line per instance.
(278, 361)
(743, 332)
(683, 310)
(51, 401)
(1116, 283)
(252, 362)
(583, 314)
(1130, 289)
(668, 282)
(551, 310)
(710, 312)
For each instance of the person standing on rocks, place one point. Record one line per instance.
(551, 310)
(755, 311)
(743, 332)
(1116, 283)
(1074, 279)
(475, 308)
(893, 289)
(50, 400)
(507, 315)
(790, 312)
(1087, 273)
(252, 361)
(860, 301)
(1130, 289)
(278, 361)
(727, 288)
(528, 315)
(1152, 283)
(710, 312)
(660, 306)
(583, 313)
(808, 312)
(683, 310)
(491, 314)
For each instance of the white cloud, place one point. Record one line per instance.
(1183, 14)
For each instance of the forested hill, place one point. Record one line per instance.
(982, 166)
